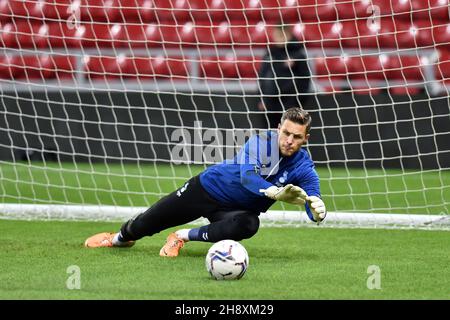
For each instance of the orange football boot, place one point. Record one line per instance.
(172, 246)
(104, 239)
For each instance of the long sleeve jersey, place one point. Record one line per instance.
(258, 165)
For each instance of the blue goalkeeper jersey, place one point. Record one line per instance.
(237, 182)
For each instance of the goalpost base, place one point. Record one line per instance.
(272, 218)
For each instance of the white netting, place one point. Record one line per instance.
(118, 102)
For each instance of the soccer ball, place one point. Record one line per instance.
(227, 260)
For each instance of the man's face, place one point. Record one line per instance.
(291, 137)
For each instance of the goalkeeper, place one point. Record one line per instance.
(231, 195)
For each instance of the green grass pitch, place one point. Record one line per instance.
(360, 190)
(288, 263)
(285, 263)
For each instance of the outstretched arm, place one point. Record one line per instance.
(315, 207)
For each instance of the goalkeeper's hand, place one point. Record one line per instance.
(289, 193)
(317, 207)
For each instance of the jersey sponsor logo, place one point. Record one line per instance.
(182, 189)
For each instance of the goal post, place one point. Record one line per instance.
(108, 105)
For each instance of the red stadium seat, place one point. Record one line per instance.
(136, 11)
(319, 35)
(368, 67)
(142, 68)
(186, 34)
(250, 35)
(231, 10)
(317, 10)
(100, 35)
(60, 9)
(173, 68)
(393, 9)
(353, 9)
(104, 67)
(24, 34)
(210, 10)
(34, 67)
(360, 34)
(148, 68)
(331, 68)
(38, 9)
(189, 34)
(332, 72)
(218, 68)
(38, 67)
(441, 34)
(402, 34)
(407, 72)
(172, 10)
(178, 36)
(147, 35)
(230, 67)
(201, 10)
(64, 66)
(121, 67)
(243, 10)
(218, 35)
(63, 35)
(20, 9)
(271, 10)
(139, 68)
(17, 66)
(387, 33)
(204, 34)
(367, 70)
(153, 35)
(423, 30)
(248, 67)
(222, 34)
(139, 36)
(99, 10)
(436, 9)
(286, 10)
(405, 67)
(7, 67)
(417, 9)
(119, 10)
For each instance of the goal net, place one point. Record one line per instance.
(108, 105)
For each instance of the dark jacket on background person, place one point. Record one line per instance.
(283, 86)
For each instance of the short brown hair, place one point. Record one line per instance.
(297, 115)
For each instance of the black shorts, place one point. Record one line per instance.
(186, 204)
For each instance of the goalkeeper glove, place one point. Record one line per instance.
(317, 207)
(289, 193)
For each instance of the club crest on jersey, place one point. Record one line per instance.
(282, 180)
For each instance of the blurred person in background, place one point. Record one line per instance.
(284, 75)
